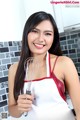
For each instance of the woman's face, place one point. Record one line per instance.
(41, 37)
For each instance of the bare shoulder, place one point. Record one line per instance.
(13, 68)
(63, 62)
(67, 66)
(62, 59)
(11, 79)
(66, 62)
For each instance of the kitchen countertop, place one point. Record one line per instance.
(71, 106)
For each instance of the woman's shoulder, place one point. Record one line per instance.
(11, 73)
(62, 59)
(13, 68)
(65, 59)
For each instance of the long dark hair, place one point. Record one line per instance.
(32, 22)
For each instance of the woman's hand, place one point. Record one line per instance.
(24, 102)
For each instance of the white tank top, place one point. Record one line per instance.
(48, 103)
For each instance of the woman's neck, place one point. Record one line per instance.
(40, 57)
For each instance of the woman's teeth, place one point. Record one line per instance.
(39, 45)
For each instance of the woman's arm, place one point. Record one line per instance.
(16, 108)
(73, 84)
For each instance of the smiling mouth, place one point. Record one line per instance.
(39, 46)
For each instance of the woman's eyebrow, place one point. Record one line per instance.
(44, 30)
(48, 31)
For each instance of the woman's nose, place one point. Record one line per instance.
(41, 37)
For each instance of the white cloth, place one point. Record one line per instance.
(48, 104)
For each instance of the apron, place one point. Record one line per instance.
(48, 103)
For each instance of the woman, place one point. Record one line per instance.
(56, 74)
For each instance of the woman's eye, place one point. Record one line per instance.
(48, 33)
(33, 30)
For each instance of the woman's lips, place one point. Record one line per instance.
(39, 46)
